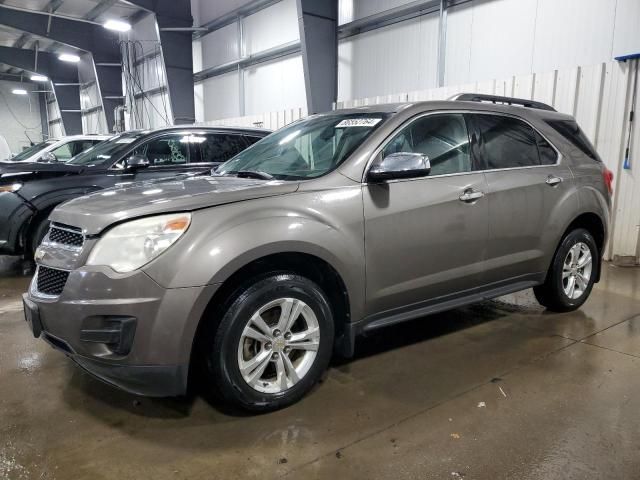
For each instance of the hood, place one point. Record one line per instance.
(24, 171)
(96, 211)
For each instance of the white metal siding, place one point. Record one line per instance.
(626, 39)
(379, 62)
(274, 85)
(220, 46)
(18, 131)
(221, 96)
(350, 10)
(271, 27)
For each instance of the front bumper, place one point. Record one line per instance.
(85, 322)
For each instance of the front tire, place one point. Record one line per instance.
(572, 273)
(272, 345)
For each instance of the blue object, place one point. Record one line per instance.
(624, 58)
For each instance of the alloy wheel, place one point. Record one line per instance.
(278, 345)
(576, 270)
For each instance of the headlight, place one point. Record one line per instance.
(131, 245)
(14, 187)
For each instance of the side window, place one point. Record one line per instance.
(251, 140)
(220, 147)
(165, 150)
(506, 142)
(64, 153)
(81, 146)
(548, 155)
(570, 130)
(443, 138)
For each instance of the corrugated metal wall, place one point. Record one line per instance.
(406, 52)
(268, 86)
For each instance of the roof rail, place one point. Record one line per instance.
(481, 97)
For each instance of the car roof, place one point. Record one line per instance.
(240, 130)
(430, 105)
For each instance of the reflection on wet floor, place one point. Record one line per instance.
(500, 389)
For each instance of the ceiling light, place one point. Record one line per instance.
(19, 91)
(39, 78)
(117, 26)
(67, 57)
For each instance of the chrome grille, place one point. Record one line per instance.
(67, 236)
(51, 281)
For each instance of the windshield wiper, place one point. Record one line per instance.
(253, 174)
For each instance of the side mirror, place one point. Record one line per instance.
(48, 157)
(399, 165)
(136, 162)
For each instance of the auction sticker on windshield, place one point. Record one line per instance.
(358, 122)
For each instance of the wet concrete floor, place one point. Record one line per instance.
(497, 390)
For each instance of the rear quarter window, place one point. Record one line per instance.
(572, 132)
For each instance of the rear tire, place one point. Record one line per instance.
(272, 345)
(572, 273)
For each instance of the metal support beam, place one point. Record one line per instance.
(48, 64)
(442, 41)
(68, 97)
(177, 53)
(80, 34)
(63, 78)
(318, 24)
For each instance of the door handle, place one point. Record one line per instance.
(552, 181)
(471, 196)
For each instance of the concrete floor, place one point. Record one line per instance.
(497, 390)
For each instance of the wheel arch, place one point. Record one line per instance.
(309, 265)
(594, 224)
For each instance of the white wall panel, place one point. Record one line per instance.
(205, 11)
(572, 32)
(221, 98)
(502, 38)
(626, 38)
(274, 85)
(220, 46)
(19, 116)
(458, 44)
(350, 10)
(271, 27)
(400, 57)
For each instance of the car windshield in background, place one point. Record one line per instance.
(105, 151)
(306, 149)
(25, 154)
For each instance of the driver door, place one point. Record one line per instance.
(423, 240)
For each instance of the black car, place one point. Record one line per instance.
(29, 192)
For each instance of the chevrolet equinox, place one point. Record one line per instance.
(333, 226)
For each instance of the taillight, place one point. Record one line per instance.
(607, 176)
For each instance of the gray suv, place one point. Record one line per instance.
(333, 226)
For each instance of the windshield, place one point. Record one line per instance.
(105, 151)
(25, 154)
(306, 149)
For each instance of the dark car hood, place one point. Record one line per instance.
(98, 210)
(24, 171)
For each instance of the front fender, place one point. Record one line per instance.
(222, 240)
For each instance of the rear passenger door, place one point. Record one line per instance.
(527, 181)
